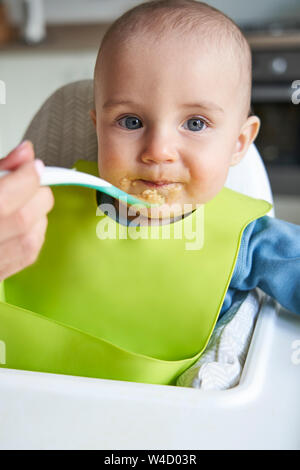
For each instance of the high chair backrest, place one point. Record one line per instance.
(62, 133)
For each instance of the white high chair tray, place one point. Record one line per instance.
(49, 411)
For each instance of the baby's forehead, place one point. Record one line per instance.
(218, 44)
(194, 22)
(172, 48)
(181, 55)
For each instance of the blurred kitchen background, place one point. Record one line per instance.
(45, 44)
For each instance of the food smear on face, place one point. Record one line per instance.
(165, 193)
(125, 184)
(174, 189)
(152, 196)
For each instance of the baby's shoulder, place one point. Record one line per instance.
(269, 225)
(272, 235)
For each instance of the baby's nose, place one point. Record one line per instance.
(159, 150)
(157, 158)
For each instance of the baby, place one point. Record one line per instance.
(172, 114)
(172, 99)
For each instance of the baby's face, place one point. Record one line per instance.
(169, 122)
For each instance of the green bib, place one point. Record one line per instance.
(122, 302)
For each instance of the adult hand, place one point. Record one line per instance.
(23, 208)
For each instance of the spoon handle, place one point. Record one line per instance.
(52, 175)
(57, 176)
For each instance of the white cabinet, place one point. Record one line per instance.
(30, 77)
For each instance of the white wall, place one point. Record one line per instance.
(83, 11)
(60, 11)
(30, 78)
(244, 11)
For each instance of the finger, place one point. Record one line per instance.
(18, 187)
(23, 219)
(20, 252)
(21, 154)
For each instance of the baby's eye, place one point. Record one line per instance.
(196, 124)
(130, 122)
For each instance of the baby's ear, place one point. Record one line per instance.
(247, 135)
(93, 116)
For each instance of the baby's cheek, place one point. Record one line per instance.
(108, 165)
(203, 179)
(199, 176)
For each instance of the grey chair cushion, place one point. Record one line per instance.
(62, 131)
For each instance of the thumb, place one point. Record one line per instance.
(19, 155)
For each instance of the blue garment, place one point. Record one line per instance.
(269, 258)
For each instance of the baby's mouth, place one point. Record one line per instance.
(157, 192)
(158, 184)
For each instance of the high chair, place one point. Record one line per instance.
(51, 411)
